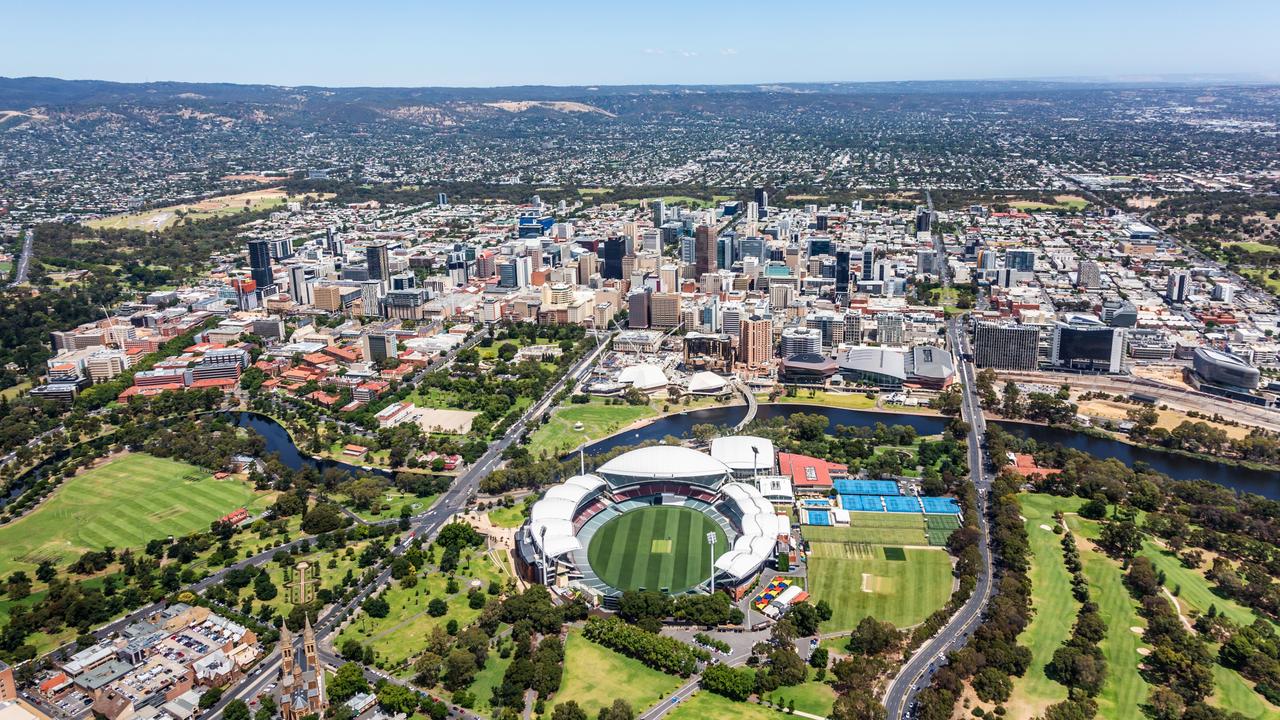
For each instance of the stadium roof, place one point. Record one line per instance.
(664, 461)
(736, 452)
(883, 361)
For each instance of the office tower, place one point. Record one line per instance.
(1178, 287)
(924, 221)
(669, 278)
(1088, 275)
(280, 248)
(588, 265)
(762, 202)
(819, 246)
(704, 251)
(442, 200)
(800, 340)
(821, 222)
(614, 251)
(659, 209)
(725, 255)
(379, 346)
(1006, 345)
(1119, 313)
(1224, 292)
(731, 319)
(404, 281)
(638, 309)
(458, 267)
(868, 262)
(378, 261)
(891, 329)
(752, 247)
(757, 341)
(260, 263)
(753, 211)
(842, 271)
(986, 259)
(1021, 259)
(780, 295)
(664, 310)
(299, 288)
(926, 259)
(1083, 342)
(853, 328)
(371, 292)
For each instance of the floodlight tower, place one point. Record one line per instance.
(711, 541)
(544, 555)
(755, 464)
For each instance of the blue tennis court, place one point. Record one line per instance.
(819, 517)
(866, 487)
(901, 504)
(940, 505)
(861, 503)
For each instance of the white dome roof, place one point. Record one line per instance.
(706, 382)
(664, 461)
(643, 377)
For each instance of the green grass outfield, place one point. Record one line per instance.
(811, 696)
(1055, 608)
(508, 517)
(872, 527)
(655, 547)
(858, 581)
(124, 503)
(594, 676)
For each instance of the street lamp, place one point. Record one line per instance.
(711, 541)
(755, 464)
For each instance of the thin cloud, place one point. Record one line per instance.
(654, 51)
(729, 51)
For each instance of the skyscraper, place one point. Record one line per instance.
(1088, 275)
(757, 341)
(260, 263)
(659, 208)
(1178, 287)
(704, 251)
(762, 202)
(1006, 345)
(299, 288)
(614, 250)
(1021, 259)
(379, 263)
(842, 271)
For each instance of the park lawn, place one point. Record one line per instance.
(488, 679)
(398, 636)
(594, 676)
(901, 592)
(872, 527)
(390, 503)
(599, 420)
(124, 503)
(1194, 590)
(709, 706)
(684, 200)
(508, 517)
(1233, 693)
(1054, 606)
(826, 398)
(1253, 247)
(330, 577)
(1124, 690)
(812, 696)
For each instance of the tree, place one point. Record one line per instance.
(568, 711)
(437, 607)
(376, 607)
(619, 710)
(397, 698)
(732, 683)
(992, 685)
(210, 698)
(236, 710)
(1121, 537)
(347, 682)
(459, 669)
(857, 705)
(872, 637)
(805, 618)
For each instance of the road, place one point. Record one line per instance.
(425, 525)
(917, 672)
(24, 260)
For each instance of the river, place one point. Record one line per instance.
(681, 425)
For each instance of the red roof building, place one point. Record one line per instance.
(810, 473)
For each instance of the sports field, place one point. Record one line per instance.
(599, 420)
(860, 579)
(124, 503)
(874, 528)
(655, 548)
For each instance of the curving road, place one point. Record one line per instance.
(917, 672)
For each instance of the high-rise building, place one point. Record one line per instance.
(704, 250)
(1088, 275)
(1006, 345)
(638, 309)
(588, 265)
(757, 341)
(614, 251)
(1021, 259)
(1083, 342)
(442, 200)
(800, 340)
(1178, 287)
(926, 259)
(842, 271)
(762, 202)
(1224, 292)
(299, 288)
(8, 686)
(924, 220)
(379, 345)
(378, 260)
(659, 209)
(891, 329)
(260, 263)
(664, 310)
(868, 262)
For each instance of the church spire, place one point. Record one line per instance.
(286, 648)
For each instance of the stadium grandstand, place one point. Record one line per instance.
(643, 520)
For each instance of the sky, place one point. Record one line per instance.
(572, 42)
